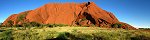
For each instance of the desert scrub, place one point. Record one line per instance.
(63, 36)
(55, 25)
(34, 34)
(71, 33)
(83, 19)
(116, 25)
(22, 16)
(9, 23)
(6, 35)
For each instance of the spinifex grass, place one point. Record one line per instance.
(71, 33)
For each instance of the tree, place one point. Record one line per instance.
(22, 16)
(10, 23)
(17, 25)
(116, 25)
(33, 24)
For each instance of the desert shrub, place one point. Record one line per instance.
(77, 23)
(9, 23)
(17, 25)
(55, 25)
(140, 37)
(82, 36)
(31, 24)
(22, 16)
(46, 25)
(103, 36)
(34, 24)
(48, 35)
(60, 25)
(63, 36)
(83, 19)
(116, 25)
(74, 30)
(73, 36)
(25, 35)
(93, 25)
(25, 25)
(144, 28)
(34, 35)
(6, 35)
(1, 30)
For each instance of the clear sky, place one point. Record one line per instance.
(133, 12)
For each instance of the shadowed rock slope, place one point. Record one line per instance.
(83, 14)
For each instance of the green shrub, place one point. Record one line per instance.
(140, 37)
(6, 35)
(25, 35)
(77, 23)
(74, 30)
(1, 30)
(144, 28)
(60, 25)
(93, 25)
(81, 36)
(22, 16)
(34, 24)
(17, 25)
(63, 36)
(34, 35)
(9, 23)
(116, 25)
(31, 24)
(73, 36)
(71, 33)
(83, 19)
(55, 25)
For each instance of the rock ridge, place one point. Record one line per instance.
(83, 14)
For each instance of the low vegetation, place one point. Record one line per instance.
(144, 28)
(9, 23)
(71, 33)
(116, 25)
(32, 24)
(37, 31)
(22, 16)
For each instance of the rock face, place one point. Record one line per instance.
(84, 14)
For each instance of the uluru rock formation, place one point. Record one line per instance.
(85, 14)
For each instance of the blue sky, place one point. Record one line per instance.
(134, 12)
